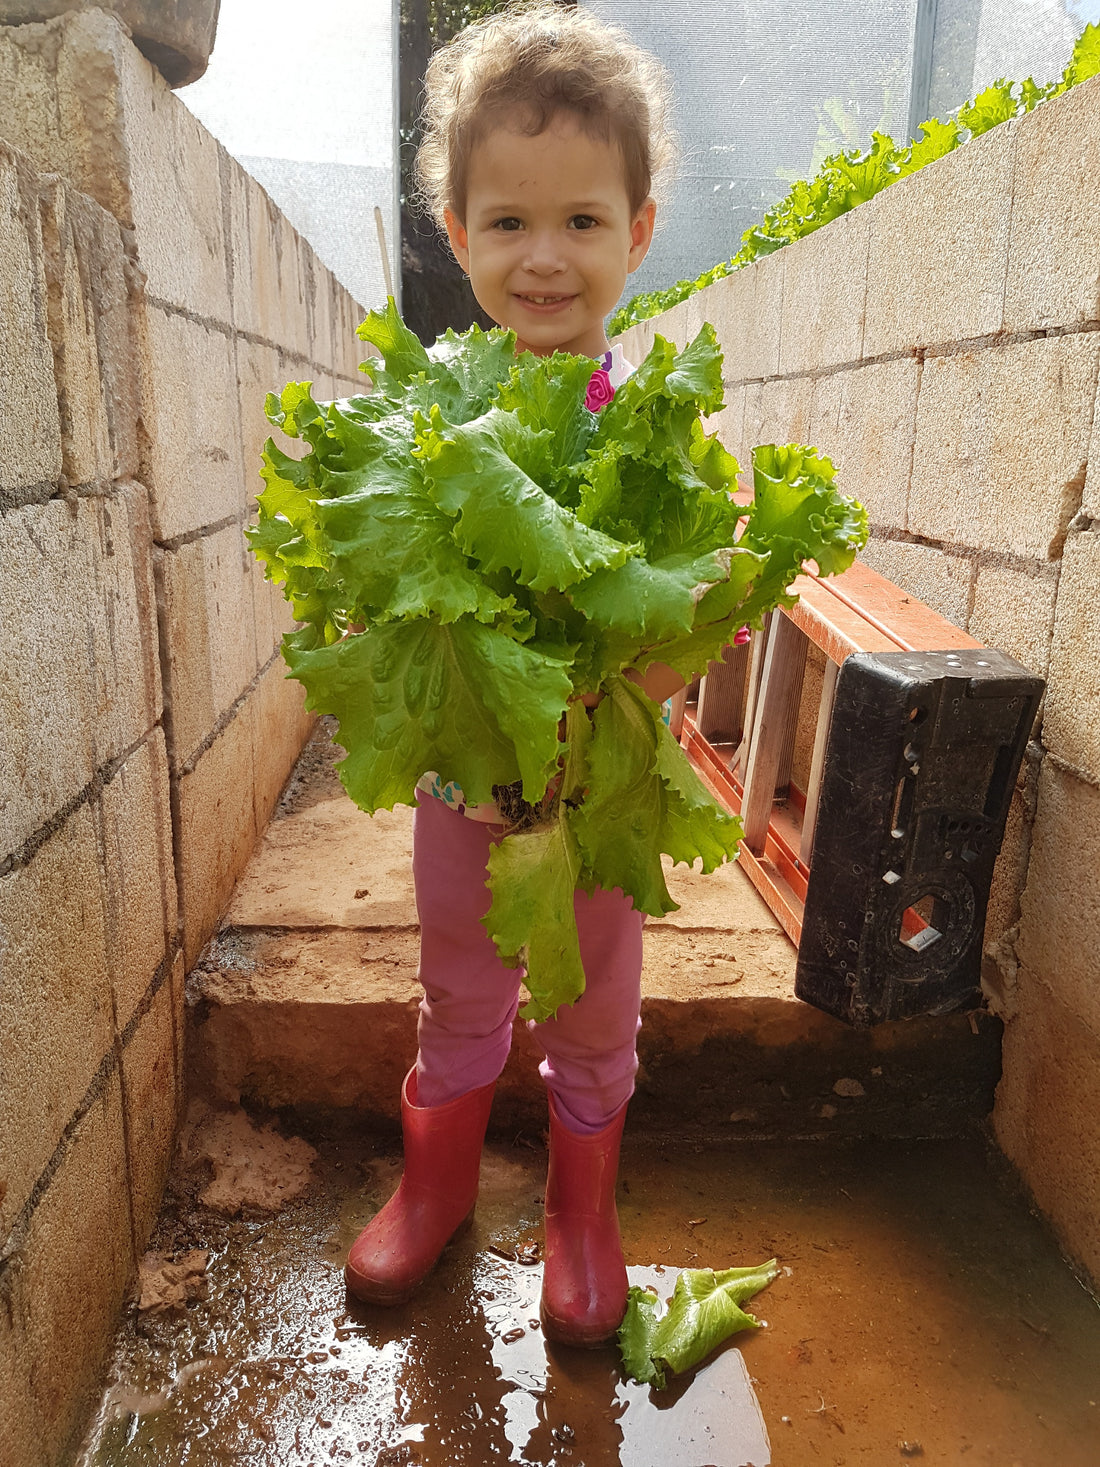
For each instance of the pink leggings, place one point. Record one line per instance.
(470, 997)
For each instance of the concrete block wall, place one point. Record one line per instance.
(150, 295)
(941, 343)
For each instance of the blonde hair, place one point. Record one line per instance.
(524, 66)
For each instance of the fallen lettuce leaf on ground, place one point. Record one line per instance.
(705, 1311)
(508, 550)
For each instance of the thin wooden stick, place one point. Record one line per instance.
(387, 277)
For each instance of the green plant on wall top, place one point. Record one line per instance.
(850, 178)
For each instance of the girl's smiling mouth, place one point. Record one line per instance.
(546, 303)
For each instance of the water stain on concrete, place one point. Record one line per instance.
(921, 1313)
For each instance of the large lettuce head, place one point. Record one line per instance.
(507, 550)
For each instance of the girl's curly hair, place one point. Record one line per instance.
(524, 66)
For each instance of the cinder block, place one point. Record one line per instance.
(939, 249)
(178, 983)
(1009, 873)
(729, 424)
(70, 1278)
(317, 282)
(32, 428)
(130, 135)
(940, 579)
(265, 599)
(825, 295)
(282, 614)
(209, 636)
(258, 373)
(1045, 1114)
(324, 387)
(123, 640)
(1090, 502)
(55, 1020)
(864, 420)
(19, 1425)
(752, 419)
(90, 331)
(281, 727)
(637, 341)
(46, 743)
(79, 676)
(28, 67)
(1060, 923)
(746, 310)
(1053, 273)
(1013, 611)
(1071, 728)
(347, 350)
(149, 1064)
(89, 106)
(189, 386)
(139, 873)
(1001, 445)
(785, 405)
(84, 88)
(268, 297)
(217, 828)
(681, 323)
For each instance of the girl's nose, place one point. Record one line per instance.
(544, 255)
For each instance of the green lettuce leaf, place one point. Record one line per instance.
(705, 1311)
(650, 601)
(625, 805)
(509, 551)
(394, 550)
(463, 699)
(533, 879)
(505, 519)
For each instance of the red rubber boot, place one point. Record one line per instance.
(584, 1277)
(433, 1202)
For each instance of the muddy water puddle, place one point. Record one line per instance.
(921, 1314)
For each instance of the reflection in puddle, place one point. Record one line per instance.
(918, 1305)
(562, 1398)
(459, 1377)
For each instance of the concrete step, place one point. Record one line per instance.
(307, 999)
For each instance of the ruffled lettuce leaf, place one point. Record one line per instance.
(464, 699)
(644, 798)
(705, 1311)
(503, 518)
(508, 551)
(533, 878)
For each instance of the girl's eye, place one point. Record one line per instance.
(583, 221)
(508, 224)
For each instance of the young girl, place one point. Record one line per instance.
(543, 132)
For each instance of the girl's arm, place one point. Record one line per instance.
(659, 681)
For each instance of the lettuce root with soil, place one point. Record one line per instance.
(509, 551)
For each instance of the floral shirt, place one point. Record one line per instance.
(612, 372)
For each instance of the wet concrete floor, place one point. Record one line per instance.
(921, 1313)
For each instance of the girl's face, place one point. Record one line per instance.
(549, 237)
